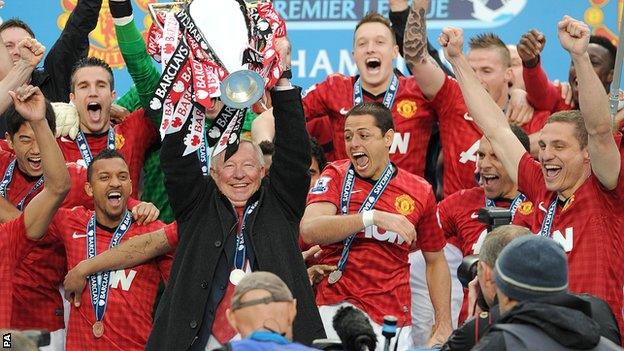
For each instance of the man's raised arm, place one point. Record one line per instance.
(30, 103)
(603, 151)
(428, 74)
(483, 109)
(31, 52)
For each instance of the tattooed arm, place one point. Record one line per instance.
(428, 74)
(135, 251)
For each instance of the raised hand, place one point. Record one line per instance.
(145, 212)
(573, 35)
(395, 223)
(31, 51)
(452, 40)
(282, 46)
(530, 47)
(29, 102)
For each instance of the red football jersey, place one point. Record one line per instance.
(376, 276)
(128, 318)
(133, 137)
(459, 221)
(413, 118)
(588, 227)
(460, 136)
(12, 247)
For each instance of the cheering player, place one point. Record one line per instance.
(374, 49)
(490, 59)
(120, 313)
(576, 183)
(33, 223)
(364, 212)
(92, 93)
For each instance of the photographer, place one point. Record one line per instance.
(537, 312)
(466, 336)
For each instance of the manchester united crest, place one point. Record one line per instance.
(525, 208)
(119, 141)
(404, 204)
(103, 39)
(407, 108)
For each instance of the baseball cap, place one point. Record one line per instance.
(260, 281)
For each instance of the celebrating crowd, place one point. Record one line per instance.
(114, 237)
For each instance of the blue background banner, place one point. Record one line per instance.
(321, 31)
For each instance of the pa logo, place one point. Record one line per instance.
(6, 341)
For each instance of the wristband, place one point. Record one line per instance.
(120, 9)
(287, 74)
(367, 218)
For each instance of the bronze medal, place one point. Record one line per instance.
(98, 329)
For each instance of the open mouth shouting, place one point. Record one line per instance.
(551, 171)
(373, 65)
(360, 161)
(34, 163)
(488, 180)
(95, 111)
(113, 198)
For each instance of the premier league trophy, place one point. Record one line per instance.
(213, 49)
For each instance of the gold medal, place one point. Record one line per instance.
(98, 329)
(236, 276)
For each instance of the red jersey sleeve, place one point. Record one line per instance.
(429, 236)
(614, 196)
(171, 232)
(327, 187)
(541, 93)
(140, 128)
(447, 101)
(445, 219)
(530, 177)
(14, 243)
(315, 98)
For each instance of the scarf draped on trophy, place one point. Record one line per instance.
(212, 49)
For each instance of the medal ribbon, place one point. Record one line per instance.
(546, 228)
(83, 145)
(371, 200)
(520, 198)
(389, 97)
(99, 283)
(240, 250)
(6, 180)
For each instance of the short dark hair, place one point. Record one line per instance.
(15, 121)
(318, 154)
(92, 62)
(522, 136)
(103, 155)
(491, 41)
(16, 23)
(374, 17)
(382, 115)
(497, 239)
(607, 44)
(575, 118)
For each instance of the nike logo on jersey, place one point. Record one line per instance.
(66, 140)
(344, 111)
(78, 236)
(474, 215)
(467, 117)
(541, 207)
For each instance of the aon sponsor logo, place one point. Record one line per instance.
(119, 279)
(373, 232)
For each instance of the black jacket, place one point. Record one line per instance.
(205, 218)
(563, 318)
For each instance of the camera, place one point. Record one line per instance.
(492, 217)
